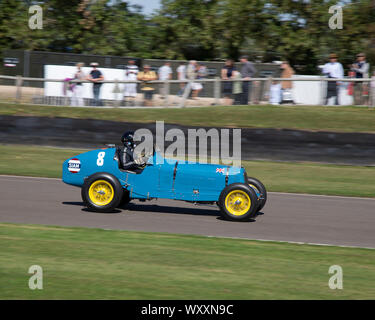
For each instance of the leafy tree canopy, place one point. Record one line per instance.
(267, 30)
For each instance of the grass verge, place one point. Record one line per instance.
(340, 119)
(81, 263)
(277, 176)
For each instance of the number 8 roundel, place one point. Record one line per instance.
(100, 160)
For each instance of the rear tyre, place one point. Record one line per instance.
(238, 202)
(260, 190)
(101, 192)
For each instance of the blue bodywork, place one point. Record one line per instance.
(161, 178)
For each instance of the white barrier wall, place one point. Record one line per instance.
(62, 72)
(304, 92)
(314, 92)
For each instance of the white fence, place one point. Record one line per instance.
(307, 90)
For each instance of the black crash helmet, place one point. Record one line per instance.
(128, 138)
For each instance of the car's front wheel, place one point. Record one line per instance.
(102, 192)
(260, 190)
(238, 202)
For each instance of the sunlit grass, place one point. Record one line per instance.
(277, 176)
(340, 119)
(81, 263)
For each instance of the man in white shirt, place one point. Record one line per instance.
(165, 73)
(181, 75)
(131, 73)
(333, 69)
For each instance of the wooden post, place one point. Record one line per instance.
(166, 92)
(186, 94)
(217, 84)
(116, 91)
(18, 88)
(268, 88)
(372, 92)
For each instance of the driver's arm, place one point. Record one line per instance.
(129, 162)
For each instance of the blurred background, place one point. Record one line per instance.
(266, 30)
(305, 153)
(155, 32)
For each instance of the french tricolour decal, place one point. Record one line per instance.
(74, 165)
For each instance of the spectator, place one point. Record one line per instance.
(237, 87)
(67, 86)
(191, 70)
(332, 70)
(147, 88)
(181, 75)
(165, 73)
(226, 74)
(350, 85)
(192, 73)
(131, 72)
(247, 72)
(361, 69)
(201, 74)
(286, 86)
(96, 76)
(77, 98)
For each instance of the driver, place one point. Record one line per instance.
(127, 154)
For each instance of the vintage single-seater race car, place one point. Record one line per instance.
(106, 186)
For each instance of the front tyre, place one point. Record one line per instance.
(238, 202)
(102, 192)
(261, 191)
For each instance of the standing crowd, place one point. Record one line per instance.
(236, 84)
(358, 70)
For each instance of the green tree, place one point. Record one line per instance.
(267, 30)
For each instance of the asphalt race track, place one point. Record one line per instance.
(286, 217)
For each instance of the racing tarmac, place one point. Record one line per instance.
(286, 217)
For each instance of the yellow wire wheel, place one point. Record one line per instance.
(238, 202)
(101, 192)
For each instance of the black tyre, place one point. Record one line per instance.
(259, 188)
(102, 192)
(125, 199)
(238, 202)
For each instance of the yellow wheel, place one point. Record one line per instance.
(238, 202)
(102, 192)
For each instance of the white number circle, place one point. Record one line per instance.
(100, 160)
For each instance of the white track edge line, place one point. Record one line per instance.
(271, 192)
(295, 242)
(27, 177)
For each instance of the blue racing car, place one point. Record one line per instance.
(106, 183)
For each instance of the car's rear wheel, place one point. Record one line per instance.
(260, 190)
(102, 192)
(238, 202)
